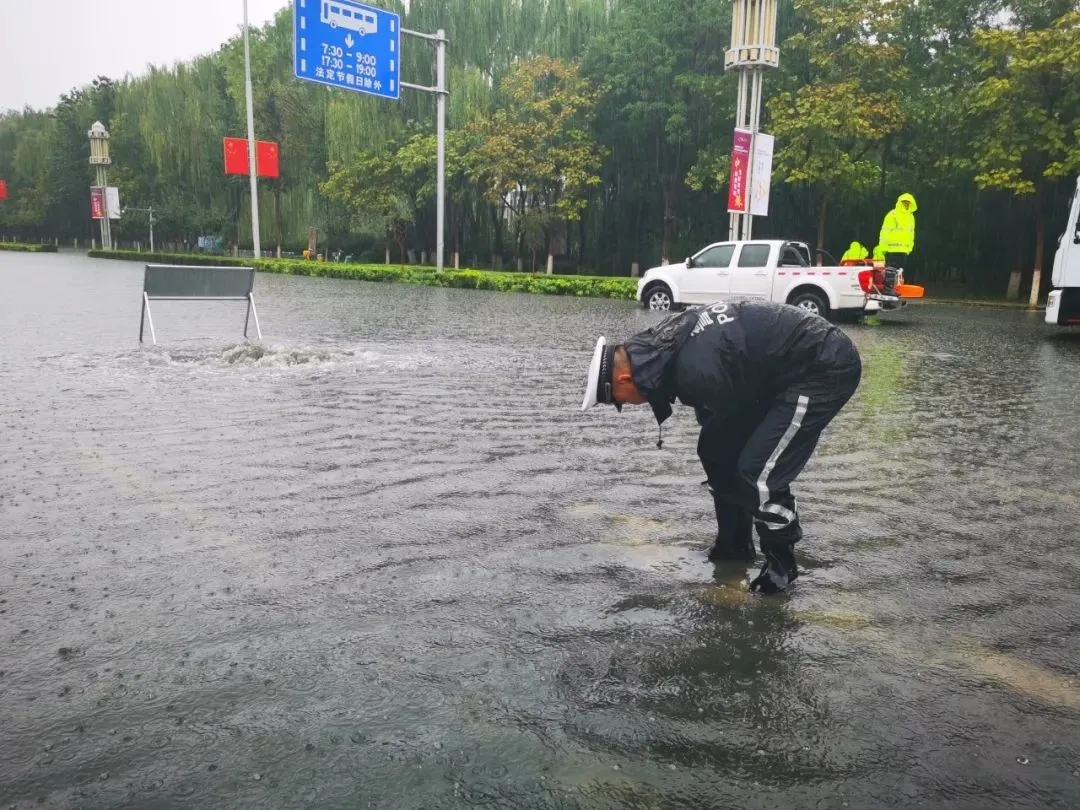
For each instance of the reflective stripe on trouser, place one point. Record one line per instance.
(778, 509)
(779, 448)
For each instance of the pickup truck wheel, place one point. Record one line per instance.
(811, 301)
(658, 298)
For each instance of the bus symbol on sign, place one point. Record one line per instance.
(341, 14)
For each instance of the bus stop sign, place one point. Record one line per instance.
(345, 44)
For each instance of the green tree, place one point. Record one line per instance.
(667, 108)
(537, 149)
(1023, 118)
(830, 126)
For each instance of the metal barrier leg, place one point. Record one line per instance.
(149, 318)
(251, 305)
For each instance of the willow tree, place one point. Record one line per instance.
(536, 154)
(830, 124)
(668, 103)
(23, 165)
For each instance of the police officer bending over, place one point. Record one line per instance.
(764, 380)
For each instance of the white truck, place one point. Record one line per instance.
(768, 269)
(1063, 302)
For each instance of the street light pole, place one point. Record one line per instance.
(251, 137)
(99, 159)
(753, 51)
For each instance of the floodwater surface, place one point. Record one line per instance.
(381, 559)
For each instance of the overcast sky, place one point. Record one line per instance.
(49, 46)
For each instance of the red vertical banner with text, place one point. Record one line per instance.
(97, 202)
(3, 189)
(738, 181)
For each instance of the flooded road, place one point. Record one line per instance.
(383, 560)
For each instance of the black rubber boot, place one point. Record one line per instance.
(734, 533)
(891, 279)
(779, 570)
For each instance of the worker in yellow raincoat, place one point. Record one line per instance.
(855, 254)
(897, 237)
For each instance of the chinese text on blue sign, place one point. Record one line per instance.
(345, 44)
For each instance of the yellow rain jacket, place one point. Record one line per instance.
(854, 253)
(898, 228)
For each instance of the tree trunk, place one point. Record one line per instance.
(581, 244)
(669, 220)
(1013, 290)
(821, 227)
(277, 217)
(1040, 238)
(497, 248)
(402, 240)
(639, 218)
(550, 257)
(457, 243)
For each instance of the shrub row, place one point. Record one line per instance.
(27, 248)
(584, 286)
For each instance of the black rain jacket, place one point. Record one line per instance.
(723, 358)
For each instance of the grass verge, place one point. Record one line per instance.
(543, 284)
(27, 248)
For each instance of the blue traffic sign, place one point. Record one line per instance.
(345, 44)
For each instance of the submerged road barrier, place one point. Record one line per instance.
(169, 282)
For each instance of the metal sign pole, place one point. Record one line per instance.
(439, 38)
(440, 81)
(326, 52)
(251, 138)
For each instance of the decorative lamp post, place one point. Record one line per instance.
(753, 51)
(100, 160)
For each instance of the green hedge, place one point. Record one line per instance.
(585, 286)
(25, 248)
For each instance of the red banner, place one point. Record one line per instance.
(267, 163)
(97, 202)
(236, 156)
(266, 159)
(738, 188)
(3, 189)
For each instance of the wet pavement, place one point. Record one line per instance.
(382, 560)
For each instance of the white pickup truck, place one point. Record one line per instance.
(773, 270)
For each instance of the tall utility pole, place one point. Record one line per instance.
(753, 51)
(251, 137)
(100, 160)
